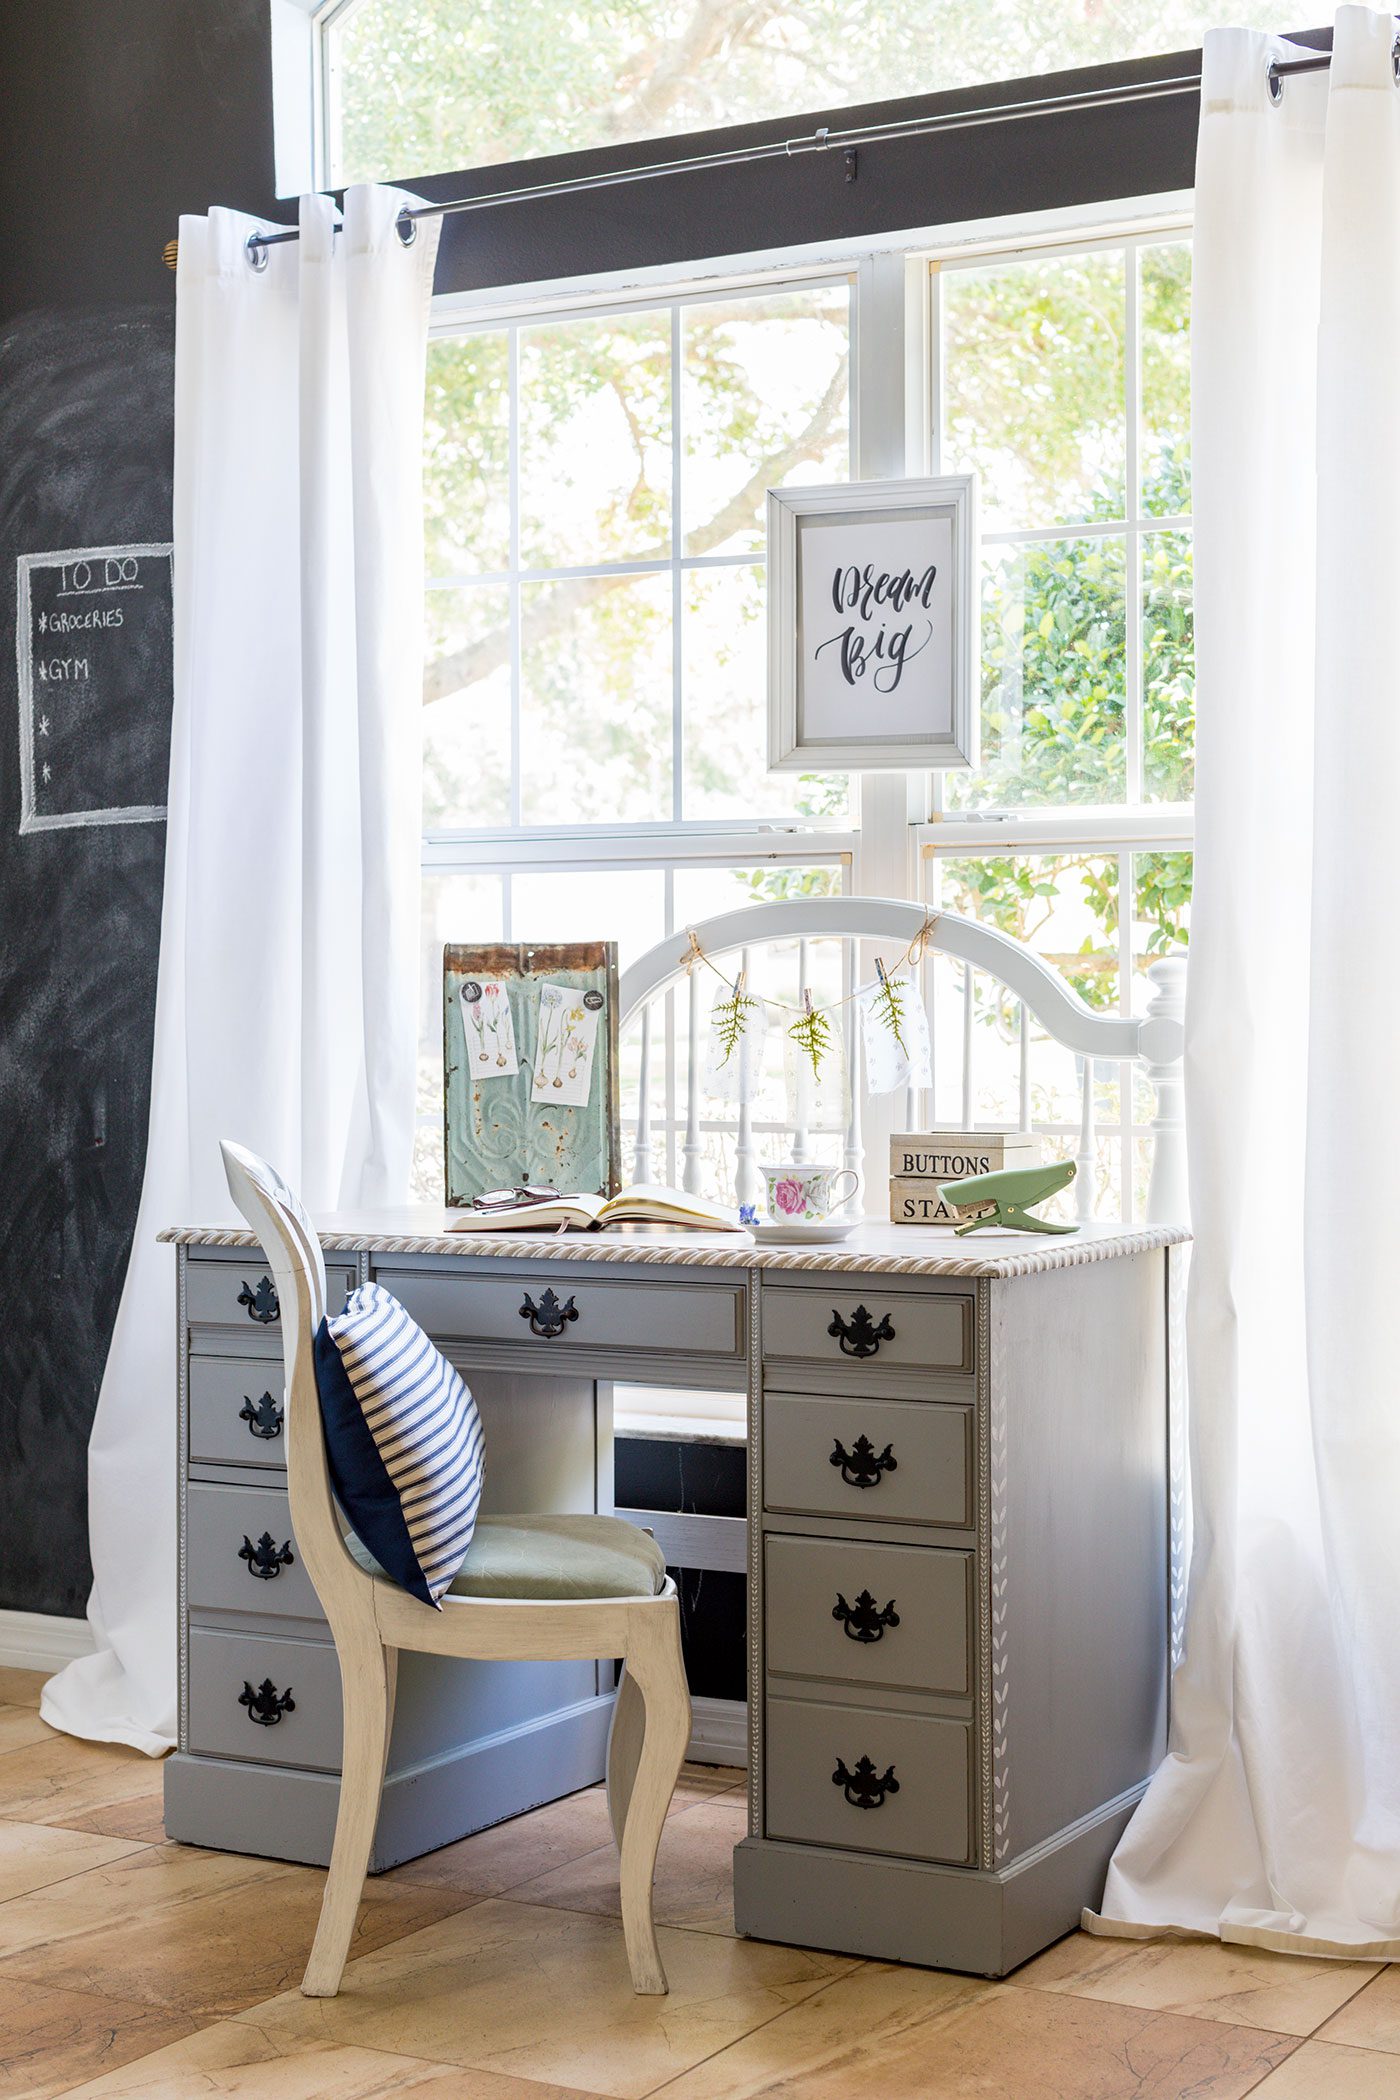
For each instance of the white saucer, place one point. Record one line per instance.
(803, 1232)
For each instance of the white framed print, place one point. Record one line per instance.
(873, 658)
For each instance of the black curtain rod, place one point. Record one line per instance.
(848, 140)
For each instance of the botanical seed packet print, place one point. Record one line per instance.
(489, 1029)
(565, 1039)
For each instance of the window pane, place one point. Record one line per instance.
(764, 402)
(1052, 677)
(466, 455)
(1033, 387)
(466, 719)
(452, 908)
(421, 85)
(1064, 907)
(1165, 304)
(596, 702)
(595, 441)
(775, 974)
(725, 709)
(1168, 668)
(626, 905)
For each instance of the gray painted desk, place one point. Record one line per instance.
(958, 1559)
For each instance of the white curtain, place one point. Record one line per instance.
(1275, 1819)
(286, 1005)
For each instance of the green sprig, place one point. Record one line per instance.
(888, 1006)
(730, 1020)
(811, 1032)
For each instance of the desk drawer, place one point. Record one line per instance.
(867, 1614)
(548, 1314)
(239, 1687)
(237, 1412)
(242, 1294)
(893, 1461)
(890, 1330)
(241, 1555)
(869, 1781)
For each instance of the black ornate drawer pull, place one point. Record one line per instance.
(862, 1466)
(549, 1317)
(263, 1416)
(865, 1787)
(260, 1299)
(266, 1705)
(864, 1620)
(859, 1336)
(267, 1559)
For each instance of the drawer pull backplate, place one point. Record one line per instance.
(865, 1787)
(862, 1466)
(266, 1705)
(860, 1335)
(864, 1620)
(260, 1300)
(267, 1559)
(263, 1416)
(549, 1317)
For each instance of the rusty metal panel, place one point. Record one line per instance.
(496, 1130)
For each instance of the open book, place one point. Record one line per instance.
(646, 1204)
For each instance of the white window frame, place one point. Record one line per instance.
(896, 820)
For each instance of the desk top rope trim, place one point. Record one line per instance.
(521, 1247)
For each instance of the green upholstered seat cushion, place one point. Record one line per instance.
(544, 1557)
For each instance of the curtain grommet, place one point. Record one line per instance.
(1275, 79)
(255, 253)
(1395, 61)
(407, 227)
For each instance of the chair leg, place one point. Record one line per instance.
(369, 1677)
(624, 1748)
(654, 1663)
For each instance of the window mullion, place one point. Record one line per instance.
(677, 581)
(1132, 506)
(513, 451)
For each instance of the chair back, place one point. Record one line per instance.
(1104, 1044)
(293, 1252)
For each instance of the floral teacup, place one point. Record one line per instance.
(800, 1194)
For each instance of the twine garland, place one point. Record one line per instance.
(913, 954)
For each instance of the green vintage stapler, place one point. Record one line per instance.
(1010, 1193)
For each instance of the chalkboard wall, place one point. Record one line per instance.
(117, 119)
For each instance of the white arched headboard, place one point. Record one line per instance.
(1154, 1039)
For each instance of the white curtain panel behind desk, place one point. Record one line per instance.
(1276, 1817)
(285, 1014)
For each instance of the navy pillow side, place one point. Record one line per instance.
(359, 1475)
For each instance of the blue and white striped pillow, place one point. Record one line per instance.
(403, 1439)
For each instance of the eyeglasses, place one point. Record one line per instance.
(514, 1199)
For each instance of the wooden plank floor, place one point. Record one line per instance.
(494, 1970)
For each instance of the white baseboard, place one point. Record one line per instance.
(719, 1732)
(33, 1640)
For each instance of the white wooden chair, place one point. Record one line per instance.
(371, 1619)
